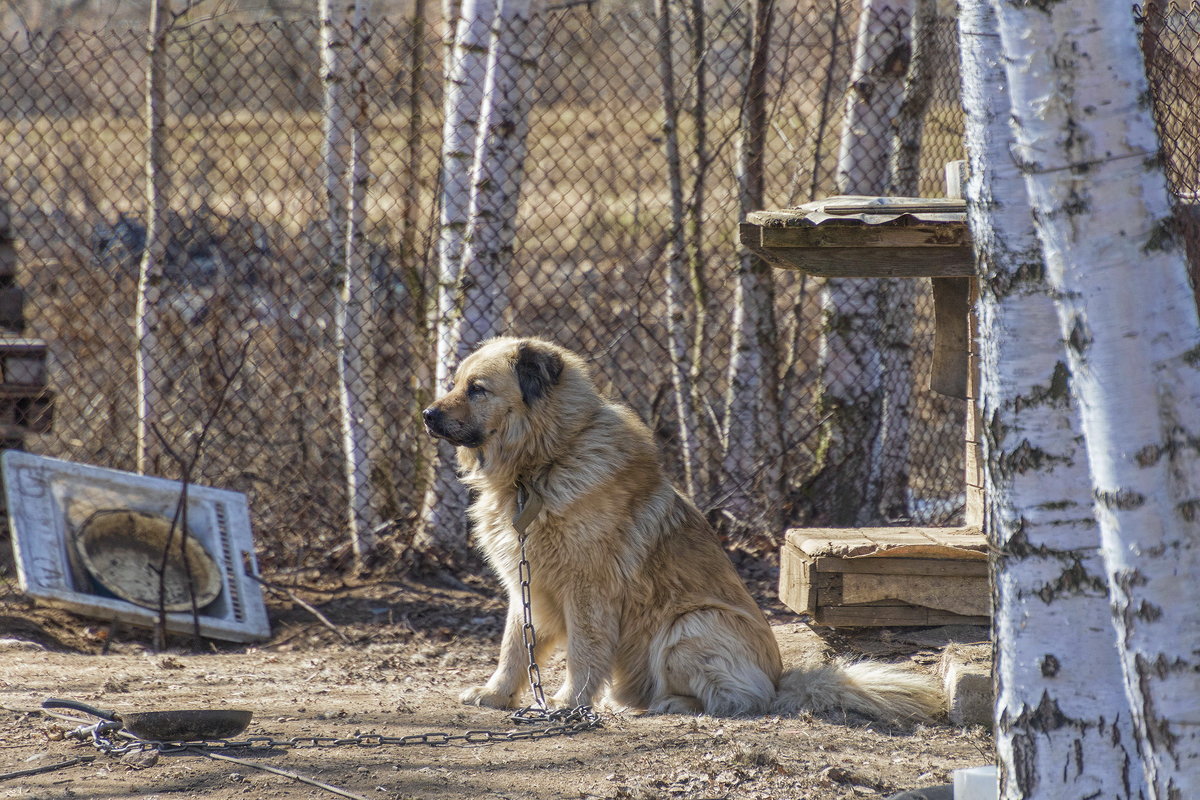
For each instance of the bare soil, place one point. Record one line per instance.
(392, 661)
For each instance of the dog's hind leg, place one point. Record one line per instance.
(713, 662)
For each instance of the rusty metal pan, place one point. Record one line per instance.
(192, 725)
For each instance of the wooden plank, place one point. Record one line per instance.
(796, 589)
(976, 468)
(975, 505)
(871, 262)
(930, 235)
(951, 336)
(27, 413)
(12, 308)
(876, 588)
(16, 391)
(967, 595)
(750, 235)
(16, 345)
(955, 174)
(880, 615)
(8, 252)
(882, 565)
(957, 543)
(973, 464)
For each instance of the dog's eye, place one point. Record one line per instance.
(475, 390)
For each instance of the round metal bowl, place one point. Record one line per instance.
(123, 550)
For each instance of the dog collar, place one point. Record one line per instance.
(529, 505)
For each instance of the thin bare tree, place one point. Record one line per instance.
(354, 325)
(853, 389)
(152, 266)
(888, 470)
(678, 345)
(499, 170)
(753, 439)
(443, 529)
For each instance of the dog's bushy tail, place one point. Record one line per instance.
(885, 692)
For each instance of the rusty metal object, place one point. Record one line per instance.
(192, 725)
(124, 551)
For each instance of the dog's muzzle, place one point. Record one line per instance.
(435, 421)
(443, 427)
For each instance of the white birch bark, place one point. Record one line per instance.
(753, 439)
(888, 470)
(444, 510)
(150, 271)
(1087, 148)
(465, 86)
(1062, 723)
(499, 171)
(676, 277)
(354, 326)
(851, 352)
(335, 144)
(697, 262)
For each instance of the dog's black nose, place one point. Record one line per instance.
(431, 416)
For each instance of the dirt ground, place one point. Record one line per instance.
(391, 661)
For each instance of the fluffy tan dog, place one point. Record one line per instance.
(627, 575)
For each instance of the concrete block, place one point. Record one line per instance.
(966, 671)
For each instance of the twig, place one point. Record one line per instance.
(294, 776)
(24, 773)
(306, 606)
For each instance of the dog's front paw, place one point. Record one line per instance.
(486, 696)
(564, 699)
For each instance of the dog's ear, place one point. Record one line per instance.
(538, 369)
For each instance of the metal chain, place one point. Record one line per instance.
(563, 722)
(528, 635)
(559, 722)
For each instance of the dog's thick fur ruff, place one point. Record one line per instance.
(627, 575)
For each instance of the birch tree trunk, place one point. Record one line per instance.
(499, 171)
(443, 531)
(354, 326)
(1087, 148)
(150, 269)
(753, 439)
(889, 469)
(1062, 723)
(851, 354)
(335, 145)
(676, 277)
(694, 212)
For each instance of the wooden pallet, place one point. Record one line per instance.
(26, 405)
(886, 576)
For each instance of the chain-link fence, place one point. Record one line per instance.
(246, 345)
(1171, 45)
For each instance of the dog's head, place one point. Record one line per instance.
(500, 384)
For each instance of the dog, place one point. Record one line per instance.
(627, 576)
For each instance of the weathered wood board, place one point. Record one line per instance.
(862, 237)
(886, 576)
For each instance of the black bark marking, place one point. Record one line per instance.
(1027, 458)
(1050, 666)
(1120, 500)
(1164, 236)
(1080, 338)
